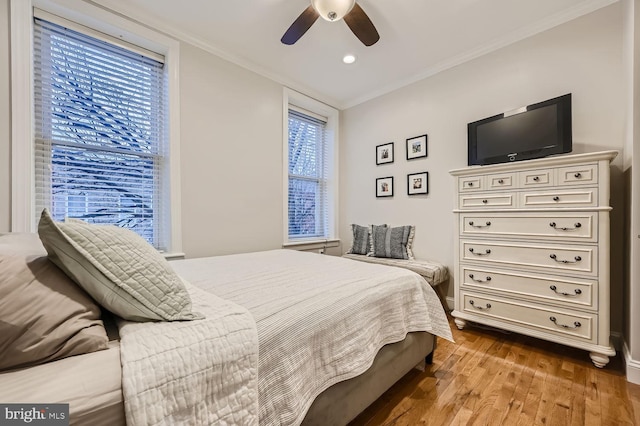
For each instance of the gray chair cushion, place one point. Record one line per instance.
(434, 272)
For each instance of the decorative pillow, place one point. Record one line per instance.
(392, 242)
(361, 239)
(44, 315)
(116, 266)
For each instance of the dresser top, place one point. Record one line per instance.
(559, 160)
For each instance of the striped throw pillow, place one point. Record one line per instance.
(393, 242)
(361, 239)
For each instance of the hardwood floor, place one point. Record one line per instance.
(490, 377)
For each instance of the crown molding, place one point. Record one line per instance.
(506, 40)
(157, 25)
(553, 21)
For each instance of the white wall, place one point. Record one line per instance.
(231, 157)
(231, 152)
(5, 120)
(632, 181)
(583, 57)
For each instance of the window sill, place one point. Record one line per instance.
(173, 256)
(311, 244)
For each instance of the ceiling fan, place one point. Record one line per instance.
(333, 10)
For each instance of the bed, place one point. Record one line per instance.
(303, 333)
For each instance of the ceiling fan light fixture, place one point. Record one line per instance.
(333, 10)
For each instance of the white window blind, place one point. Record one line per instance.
(308, 175)
(100, 145)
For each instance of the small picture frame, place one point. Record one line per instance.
(384, 187)
(417, 147)
(384, 153)
(418, 183)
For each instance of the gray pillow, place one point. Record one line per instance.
(118, 268)
(361, 239)
(392, 242)
(44, 315)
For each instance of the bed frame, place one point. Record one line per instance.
(337, 405)
(342, 402)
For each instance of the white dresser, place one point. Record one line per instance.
(532, 249)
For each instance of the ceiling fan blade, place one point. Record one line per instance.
(300, 26)
(361, 25)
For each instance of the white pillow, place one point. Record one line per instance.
(118, 268)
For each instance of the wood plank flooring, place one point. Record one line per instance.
(490, 377)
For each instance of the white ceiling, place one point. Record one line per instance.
(418, 38)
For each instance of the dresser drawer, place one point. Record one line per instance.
(535, 178)
(565, 226)
(501, 181)
(587, 197)
(569, 292)
(547, 258)
(471, 183)
(561, 322)
(487, 201)
(586, 174)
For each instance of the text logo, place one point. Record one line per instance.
(34, 414)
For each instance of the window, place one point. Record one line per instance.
(307, 176)
(311, 200)
(100, 134)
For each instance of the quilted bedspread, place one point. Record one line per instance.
(201, 372)
(320, 319)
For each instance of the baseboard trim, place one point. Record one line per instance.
(633, 366)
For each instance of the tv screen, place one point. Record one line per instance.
(534, 131)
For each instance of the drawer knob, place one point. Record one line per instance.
(481, 308)
(486, 252)
(578, 175)
(556, 198)
(576, 259)
(576, 324)
(576, 292)
(470, 183)
(479, 226)
(500, 181)
(575, 226)
(488, 278)
(536, 178)
(485, 201)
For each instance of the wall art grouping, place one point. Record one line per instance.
(384, 187)
(417, 147)
(417, 183)
(384, 153)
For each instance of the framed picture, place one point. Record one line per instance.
(384, 187)
(417, 147)
(384, 153)
(418, 183)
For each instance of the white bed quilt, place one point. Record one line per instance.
(201, 372)
(320, 319)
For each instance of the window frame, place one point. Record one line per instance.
(291, 97)
(22, 102)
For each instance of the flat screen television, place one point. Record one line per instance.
(534, 131)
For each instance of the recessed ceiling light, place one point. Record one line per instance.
(349, 59)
